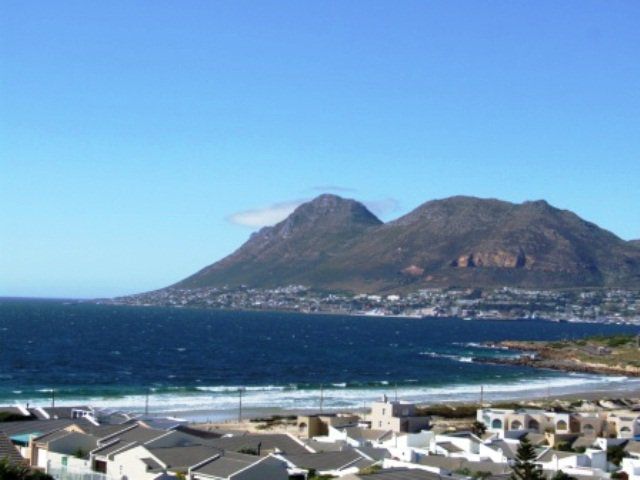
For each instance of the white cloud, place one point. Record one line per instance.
(267, 216)
(276, 212)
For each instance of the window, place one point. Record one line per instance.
(533, 424)
(516, 425)
(588, 428)
(496, 423)
(561, 425)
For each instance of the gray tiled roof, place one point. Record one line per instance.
(325, 461)
(183, 457)
(126, 439)
(227, 464)
(111, 448)
(136, 434)
(398, 474)
(39, 427)
(151, 464)
(197, 432)
(265, 442)
(452, 464)
(51, 436)
(508, 450)
(583, 441)
(326, 446)
(101, 431)
(9, 451)
(374, 453)
(366, 433)
(548, 455)
(536, 438)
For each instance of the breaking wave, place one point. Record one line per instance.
(199, 402)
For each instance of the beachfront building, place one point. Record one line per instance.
(625, 425)
(558, 426)
(396, 416)
(317, 425)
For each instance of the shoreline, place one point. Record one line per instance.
(223, 407)
(620, 321)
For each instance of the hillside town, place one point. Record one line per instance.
(588, 305)
(392, 440)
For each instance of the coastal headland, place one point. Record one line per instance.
(617, 355)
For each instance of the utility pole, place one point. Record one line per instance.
(321, 397)
(240, 404)
(548, 393)
(146, 403)
(481, 395)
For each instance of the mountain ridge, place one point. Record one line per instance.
(334, 243)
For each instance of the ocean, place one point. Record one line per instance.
(192, 362)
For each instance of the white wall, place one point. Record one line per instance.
(631, 466)
(129, 465)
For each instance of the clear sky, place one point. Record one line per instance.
(143, 140)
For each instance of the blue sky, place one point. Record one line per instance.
(142, 140)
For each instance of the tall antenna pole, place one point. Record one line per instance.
(240, 405)
(53, 398)
(146, 403)
(481, 395)
(321, 397)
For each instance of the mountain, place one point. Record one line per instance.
(635, 243)
(337, 244)
(294, 250)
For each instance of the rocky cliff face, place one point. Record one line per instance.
(335, 243)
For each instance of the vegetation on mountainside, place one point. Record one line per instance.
(333, 244)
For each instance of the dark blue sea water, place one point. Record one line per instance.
(196, 359)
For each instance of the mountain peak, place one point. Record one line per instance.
(332, 242)
(333, 209)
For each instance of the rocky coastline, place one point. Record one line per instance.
(544, 355)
